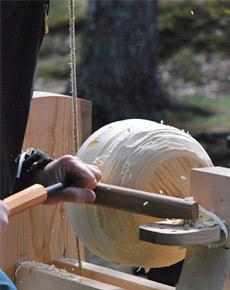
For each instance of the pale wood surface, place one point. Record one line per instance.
(211, 188)
(44, 232)
(25, 199)
(172, 234)
(209, 269)
(106, 275)
(32, 276)
(205, 269)
(84, 122)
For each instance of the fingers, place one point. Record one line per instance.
(82, 177)
(80, 173)
(73, 194)
(94, 169)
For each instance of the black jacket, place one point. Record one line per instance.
(22, 29)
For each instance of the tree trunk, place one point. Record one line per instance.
(118, 70)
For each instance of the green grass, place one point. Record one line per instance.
(55, 67)
(221, 105)
(214, 124)
(59, 12)
(218, 121)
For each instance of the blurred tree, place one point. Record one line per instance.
(118, 70)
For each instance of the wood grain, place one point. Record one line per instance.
(106, 275)
(44, 232)
(205, 269)
(210, 186)
(142, 155)
(215, 182)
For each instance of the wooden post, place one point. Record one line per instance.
(204, 268)
(44, 232)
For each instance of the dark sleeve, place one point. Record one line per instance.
(30, 164)
(22, 29)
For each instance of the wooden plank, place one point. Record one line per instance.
(211, 188)
(205, 269)
(106, 275)
(36, 276)
(209, 269)
(44, 232)
(174, 234)
(146, 203)
(84, 118)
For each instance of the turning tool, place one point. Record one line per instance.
(132, 200)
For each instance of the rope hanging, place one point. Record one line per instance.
(73, 66)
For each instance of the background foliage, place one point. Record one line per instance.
(193, 53)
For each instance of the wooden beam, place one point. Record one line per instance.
(37, 276)
(205, 269)
(106, 275)
(174, 234)
(44, 232)
(210, 186)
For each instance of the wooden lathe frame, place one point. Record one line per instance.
(43, 234)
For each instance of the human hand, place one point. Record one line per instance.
(3, 216)
(82, 177)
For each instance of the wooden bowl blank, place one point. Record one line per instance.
(143, 155)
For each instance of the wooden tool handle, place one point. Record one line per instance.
(26, 199)
(135, 201)
(141, 202)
